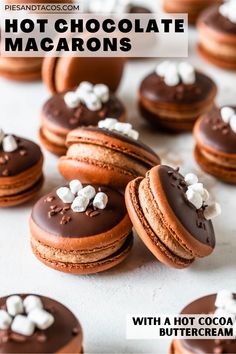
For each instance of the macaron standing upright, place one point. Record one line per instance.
(175, 95)
(217, 35)
(32, 323)
(81, 229)
(172, 215)
(222, 304)
(21, 163)
(111, 153)
(215, 136)
(85, 106)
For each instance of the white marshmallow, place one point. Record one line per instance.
(212, 211)
(65, 194)
(122, 128)
(88, 191)
(9, 143)
(41, 318)
(100, 201)
(71, 99)
(14, 305)
(205, 195)
(220, 312)
(107, 123)
(23, 325)
(195, 198)
(224, 10)
(80, 204)
(171, 77)
(228, 10)
(161, 69)
(92, 102)
(187, 73)
(102, 92)
(222, 297)
(226, 114)
(85, 86)
(133, 134)
(197, 187)
(5, 320)
(232, 16)
(190, 179)
(1, 135)
(233, 123)
(31, 302)
(75, 186)
(230, 306)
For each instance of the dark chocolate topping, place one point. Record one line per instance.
(26, 156)
(137, 9)
(193, 220)
(153, 88)
(217, 134)
(61, 332)
(49, 211)
(206, 305)
(57, 112)
(213, 19)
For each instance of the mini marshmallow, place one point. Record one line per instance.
(85, 86)
(195, 198)
(88, 191)
(197, 187)
(205, 195)
(222, 297)
(80, 204)
(71, 99)
(102, 92)
(65, 195)
(233, 123)
(228, 10)
(31, 302)
(100, 201)
(133, 134)
(9, 143)
(14, 305)
(123, 128)
(226, 114)
(107, 123)
(75, 186)
(190, 179)
(92, 102)
(212, 211)
(220, 312)
(5, 320)
(23, 325)
(171, 77)
(41, 318)
(187, 73)
(224, 10)
(230, 306)
(1, 135)
(161, 69)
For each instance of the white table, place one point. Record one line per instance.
(140, 284)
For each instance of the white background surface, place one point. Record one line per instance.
(140, 284)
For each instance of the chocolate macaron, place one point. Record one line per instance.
(85, 106)
(175, 95)
(37, 324)
(21, 175)
(217, 35)
(20, 69)
(111, 153)
(81, 229)
(222, 304)
(215, 135)
(170, 215)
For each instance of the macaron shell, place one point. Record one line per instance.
(216, 61)
(53, 148)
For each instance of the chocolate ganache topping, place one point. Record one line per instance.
(193, 220)
(213, 19)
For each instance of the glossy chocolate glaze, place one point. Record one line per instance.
(154, 89)
(26, 156)
(205, 305)
(215, 133)
(193, 220)
(214, 20)
(63, 330)
(77, 225)
(57, 112)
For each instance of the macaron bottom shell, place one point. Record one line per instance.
(21, 69)
(217, 60)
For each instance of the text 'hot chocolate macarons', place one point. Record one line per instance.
(222, 304)
(82, 107)
(170, 214)
(37, 324)
(81, 229)
(111, 153)
(21, 175)
(215, 151)
(175, 95)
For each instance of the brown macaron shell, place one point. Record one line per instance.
(96, 154)
(175, 107)
(21, 69)
(215, 149)
(204, 305)
(63, 336)
(157, 206)
(102, 240)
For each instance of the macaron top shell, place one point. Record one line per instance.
(205, 305)
(211, 131)
(24, 157)
(154, 89)
(212, 19)
(59, 334)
